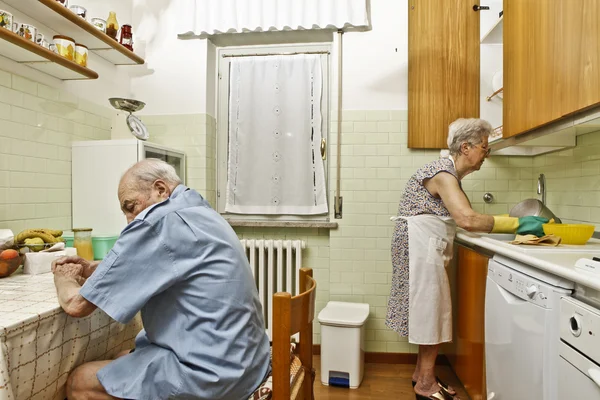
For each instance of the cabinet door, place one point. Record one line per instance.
(443, 68)
(469, 361)
(551, 61)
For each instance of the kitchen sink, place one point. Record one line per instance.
(505, 237)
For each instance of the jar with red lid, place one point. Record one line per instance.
(127, 37)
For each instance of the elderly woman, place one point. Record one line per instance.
(432, 206)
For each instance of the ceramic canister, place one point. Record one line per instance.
(6, 20)
(81, 54)
(99, 23)
(65, 46)
(27, 31)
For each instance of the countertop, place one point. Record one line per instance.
(559, 261)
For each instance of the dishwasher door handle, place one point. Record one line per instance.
(594, 373)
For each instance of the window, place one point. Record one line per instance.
(272, 130)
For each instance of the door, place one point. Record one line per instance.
(443, 68)
(551, 61)
(173, 158)
(468, 361)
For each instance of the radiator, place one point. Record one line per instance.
(275, 265)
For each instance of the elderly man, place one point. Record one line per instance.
(182, 266)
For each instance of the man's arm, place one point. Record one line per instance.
(67, 278)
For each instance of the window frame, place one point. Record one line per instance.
(222, 140)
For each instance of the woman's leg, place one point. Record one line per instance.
(426, 383)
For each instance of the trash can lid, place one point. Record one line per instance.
(344, 314)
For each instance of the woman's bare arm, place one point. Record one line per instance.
(445, 186)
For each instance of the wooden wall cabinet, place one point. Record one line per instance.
(551, 61)
(468, 354)
(443, 68)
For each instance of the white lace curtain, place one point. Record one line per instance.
(275, 124)
(203, 18)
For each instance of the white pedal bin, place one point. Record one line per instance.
(343, 343)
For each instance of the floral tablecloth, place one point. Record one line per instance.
(40, 344)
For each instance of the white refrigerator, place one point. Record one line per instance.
(97, 167)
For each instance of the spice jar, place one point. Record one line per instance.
(82, 241)
(126, 37)
(112, 26)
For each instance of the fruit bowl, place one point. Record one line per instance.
(570, 233)
(10, 260)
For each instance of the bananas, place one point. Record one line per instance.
(45, 235)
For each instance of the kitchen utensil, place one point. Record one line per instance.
(570, 233)
(65, 46)
(27, 31)
(497, 83)
(99, 23)
(136, 126)
(39, 38)
(64, 2)
(533, 207)
(81, 54)
(79, 10)
(6, 20)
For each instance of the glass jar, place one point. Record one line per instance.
(112, 26)
(82, 241)
(126, 37)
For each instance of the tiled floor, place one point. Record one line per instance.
(382, 381)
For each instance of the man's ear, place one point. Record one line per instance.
(162, 188)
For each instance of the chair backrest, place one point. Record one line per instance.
(293, 315)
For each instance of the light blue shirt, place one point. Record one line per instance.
(182, 265)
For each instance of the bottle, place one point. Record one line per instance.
(82, 241)
(112, 26)
(126, 37)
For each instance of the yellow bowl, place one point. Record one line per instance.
(570, 233)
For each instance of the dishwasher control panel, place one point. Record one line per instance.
(580, 326)
(520, 285)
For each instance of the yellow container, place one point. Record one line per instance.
(65, 46)
(570, 233)
(81, 54)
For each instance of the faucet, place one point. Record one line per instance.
(541, 187)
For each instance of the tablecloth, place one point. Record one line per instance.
(40, 344)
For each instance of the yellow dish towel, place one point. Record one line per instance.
(548, 240)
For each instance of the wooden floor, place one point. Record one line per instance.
(382, 381)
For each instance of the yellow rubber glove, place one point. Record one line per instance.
(505, 224)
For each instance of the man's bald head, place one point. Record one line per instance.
(147, 182)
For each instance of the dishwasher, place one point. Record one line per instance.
(579, 349)
(522, 313)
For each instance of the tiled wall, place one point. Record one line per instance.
(37, 125)
(195, 134)
(573, 180)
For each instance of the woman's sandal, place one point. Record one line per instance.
(440, 395)
(445, 388)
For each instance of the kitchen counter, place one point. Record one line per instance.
(559, 261)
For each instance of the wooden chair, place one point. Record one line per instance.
(293, 315)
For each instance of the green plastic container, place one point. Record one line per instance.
(102, 245)
(68, 236)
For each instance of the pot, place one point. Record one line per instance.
(533, 207)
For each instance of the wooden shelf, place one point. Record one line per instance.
(26, 52)
(65, 22)
(494, 35)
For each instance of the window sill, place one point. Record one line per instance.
(282, 224)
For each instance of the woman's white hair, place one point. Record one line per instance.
(147, 171)
(466, 130)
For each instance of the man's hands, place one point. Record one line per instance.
(86, 269)
(69, 270)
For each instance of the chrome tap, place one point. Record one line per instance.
(541, 187)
